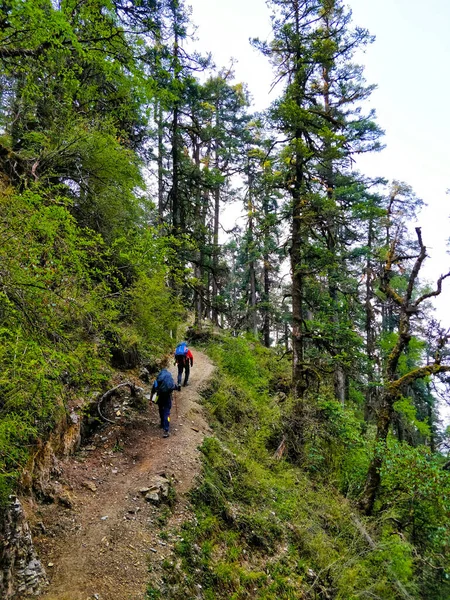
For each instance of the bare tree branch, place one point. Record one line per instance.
(436, 292)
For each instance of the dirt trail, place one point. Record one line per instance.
(103, 546)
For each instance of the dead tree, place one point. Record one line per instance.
(393, 385)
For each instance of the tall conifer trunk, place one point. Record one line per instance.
(198, 268)
(215, 257)
(298, 350)
(339, 377)
(215, 249)
(160, 159)
(266, 274)
(370, 327)
(175, 192)
(251, 261)
(266, 318)
(298, 343)
(176, 217)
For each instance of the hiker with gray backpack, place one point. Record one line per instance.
(163, 386)
(184, 361)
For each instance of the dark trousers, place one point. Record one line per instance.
(164, 406)
(187, 370)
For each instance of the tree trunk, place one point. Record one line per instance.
(266, 274)
(198, 267)
(331, 237)
(298, 346)
(371, 390)
(253, 313)
(160, 163)
(207, 309)
(373, 478)
(298, 373)
(251, 264)
(174, 194)
(176, 217)
(431, 420)
(215, 258)
(266, 320)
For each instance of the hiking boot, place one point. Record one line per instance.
(185, 383)
(166, 434)
(178, 388)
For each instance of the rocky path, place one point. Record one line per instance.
(105, 544)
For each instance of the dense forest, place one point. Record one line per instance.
(120, 148)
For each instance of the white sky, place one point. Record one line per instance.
(409, 63)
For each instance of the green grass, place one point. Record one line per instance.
(265, 528)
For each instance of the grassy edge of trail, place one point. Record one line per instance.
(266, 528)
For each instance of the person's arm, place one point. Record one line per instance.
(154, 390)
(190, 357)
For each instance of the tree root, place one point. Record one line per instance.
(134, 389)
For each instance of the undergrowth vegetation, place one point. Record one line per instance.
(69, 306)
(266, 527)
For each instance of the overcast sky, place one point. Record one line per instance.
(409, 63)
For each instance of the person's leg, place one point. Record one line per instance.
(180, 372)
(166, 414)
(161, 415)
(187, 370)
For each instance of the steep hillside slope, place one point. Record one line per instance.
(270, 521)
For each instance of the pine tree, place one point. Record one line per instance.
(320, 116)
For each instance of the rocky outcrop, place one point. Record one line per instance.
(39, 479)
(160, 490)
(21, 572)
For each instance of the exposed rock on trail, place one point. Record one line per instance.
(119, 488)
(24, 571)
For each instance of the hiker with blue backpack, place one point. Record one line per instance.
(163, 386)
(184, 361)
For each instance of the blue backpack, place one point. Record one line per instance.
(181, 350)
(164, 382)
